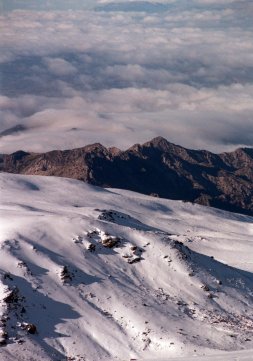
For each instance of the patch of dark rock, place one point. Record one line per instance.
(4, 335)
(134, 260)
(181, 303)
(156, 195)
(91, 234)
(31, 328)
(205, 288)
(91, 247)
(7, 276)
(12, 296)
(110, 241)
(78, 239)
(22, 264)
(65, 274)
(20, 341)
(106, 314)
(3, 342)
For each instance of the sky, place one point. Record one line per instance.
(77, 72)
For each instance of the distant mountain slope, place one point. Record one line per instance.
(157, 167)
(88, 274)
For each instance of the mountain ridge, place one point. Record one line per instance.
(156, 167)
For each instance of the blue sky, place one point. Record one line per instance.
(72, 77)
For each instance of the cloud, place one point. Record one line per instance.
(74, 77)
(194, 118)
(60, 67)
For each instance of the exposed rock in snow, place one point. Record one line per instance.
(151, 279)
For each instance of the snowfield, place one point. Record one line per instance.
(94, 274)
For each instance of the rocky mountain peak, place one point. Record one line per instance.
(96, 147)
(160, 143)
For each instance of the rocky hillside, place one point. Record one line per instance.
(157, 167)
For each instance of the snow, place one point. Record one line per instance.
(228, 356)
(107, 274)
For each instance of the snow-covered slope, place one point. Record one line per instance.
(94, 274)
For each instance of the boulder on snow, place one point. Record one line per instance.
(78, 239)
(3, 342)
(12, 296)
(126, 255)
(205, 288)
(3, 334)
(134, 260)
(110, 241)
(31, 328)
(22, 264)
(91, 247)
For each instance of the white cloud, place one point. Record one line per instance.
(60, 67)
(74, 77)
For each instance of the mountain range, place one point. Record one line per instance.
(157, 168)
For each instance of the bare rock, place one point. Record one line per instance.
(12, 296)
(110, 241)
(65, 275)
(205, 288)
(3, 342)
(218, 180)
(91, 247)
(31, 328)
(134, 260)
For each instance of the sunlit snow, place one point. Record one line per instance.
(116, 275)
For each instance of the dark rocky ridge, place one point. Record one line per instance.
(157, 167)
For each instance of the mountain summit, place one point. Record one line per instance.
(157, 167)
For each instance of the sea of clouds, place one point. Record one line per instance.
(75, 72)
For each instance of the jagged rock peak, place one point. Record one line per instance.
(160, 142)
(114, 150)
(155, 167)
(245, 151)
(95, 147)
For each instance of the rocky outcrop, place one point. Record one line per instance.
(157, 167)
